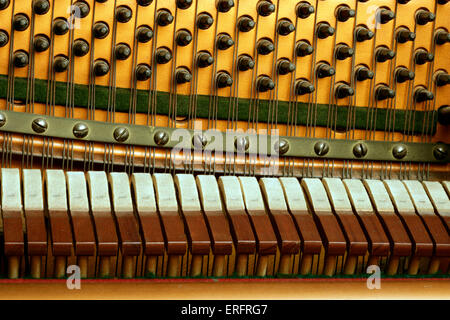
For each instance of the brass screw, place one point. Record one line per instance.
(282, 146)
(121, 134)
(161, 138)
(2, 119)
(360, 150)
(399, 151)
(80, 130)
(39, 125)
(321, 148)
(440, 152)
(199, 140)
(241, 143)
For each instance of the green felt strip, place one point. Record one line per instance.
(123, 102)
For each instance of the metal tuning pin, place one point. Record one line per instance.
(383, 92)
(422, 56)
(101, 68)
(285, 27)
(4, 4)
(265, 46)
(61, 63)
(304, 10)
(4, 38)
(264, 84)
(303, 87)
(183, 37)
(183, 75)
(442, 1)
(144, 3)
(143, 72)
(123, 51)
(442, 78)
(163, 55)
(123, 14)
(403, 1)
(343, 52)
(424, 16)
(324, 30)
(386, 15)
(204, 21)
(343, 90)
(402, 74)
(41, 43)
(223, 80)
(265, 8)
(101, 1)
(164, 18)
(225, 5)
(441, 36)
(20, 59)
(323, 70)
(363, 73)
(422, 95)
(303, 49)
(343, 13)
(80, 47)
(284, 66)
(184, 4)
(20, 22)
(245, 24)
(101, 30)
(384, 54)
(83, 8)
(403, 35)
(363, 34)
(41, 7)
(444, 115)
(245, 63)
(144, 34)
(224, 41)
(204, 59)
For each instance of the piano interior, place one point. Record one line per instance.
(281, 140)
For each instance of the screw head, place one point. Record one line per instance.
(2, 119)
(282, 146)
(80, 130)
(360, 150)
(440, 152)
(39, 125)
(121, 134)
(161, 138)
(241, 143)
(399, 151)
(199, 141)
(321, 148)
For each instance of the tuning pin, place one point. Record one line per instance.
(101, 67)
(404, 35)
(323, 70)
(442, 1)
(182, 75)
(363, 73)
(41, 6)
(304, 10)
(424, 16)
(20, 22)
(183, 37)
(265, 46)
(383, 54)
(41, 43)
(245, 24)
(422, 94)
(343, 91)
(402, 74)
(343, 52)
(144, 34)
(441, 36)
(80, 47)
(422, 56)
(265, 8)
(4, 4)
(303, 49)
(144, 3)
(83, 8)
(20, 59)
(184, 4)
(402, 1)
(442, 78)
(284, 66)
(223, 80)
(264, 83)
(143, 72)
(303, 87)
(163, 55)
(224, 42)
(204, 21)
(285, 27)
(4, 38)
(225, 5)
(324, 30)
(363, 34)
(123, 51)
(384, 92)
(60, 27)
(386, 15)
(204, 59)
(101, 30)
(164, 18)
(245, 63)
(344, 13)
(101, 1)
(123, 14)
(61, 64)
(444, 115)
